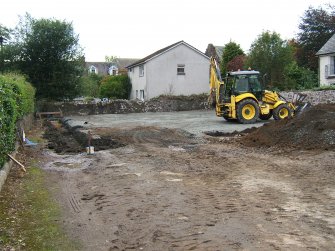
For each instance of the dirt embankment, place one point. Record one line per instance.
(312, 129)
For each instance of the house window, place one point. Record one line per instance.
(330, 68)
(93, 70)
(141, 94)
(181, 69)
(113, 70)
(136, 94)
(141, 68)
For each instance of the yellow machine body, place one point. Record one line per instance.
(247, 105)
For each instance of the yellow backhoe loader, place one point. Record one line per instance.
(241, 97)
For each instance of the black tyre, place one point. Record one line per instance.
(282, 111)
(265, 116)
(228, 119)
(247, 111)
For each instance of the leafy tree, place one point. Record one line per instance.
(50, 56)
(230, 51)
(115, 87)
(297, 77)
(4, 37)
(111, 59)
(237, 63)
(316, 27)
(270, 54)
(90, 85)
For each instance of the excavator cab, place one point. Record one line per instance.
(240, 82)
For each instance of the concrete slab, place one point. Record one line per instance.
(195, 122)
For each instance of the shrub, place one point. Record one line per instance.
(115, 87)
(299, 78)
(16, 100)
(89, 85)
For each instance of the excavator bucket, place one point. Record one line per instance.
(298, 102)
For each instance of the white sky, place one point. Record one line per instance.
(137, 28)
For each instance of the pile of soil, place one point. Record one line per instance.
(312, 129)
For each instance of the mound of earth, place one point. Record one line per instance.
(312, 129)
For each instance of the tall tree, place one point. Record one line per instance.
(230, 51)
(50, 56)
(270, 54)
(316, 27)
(4, 37)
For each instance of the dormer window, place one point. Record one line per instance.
(93, 69)
(113, 70)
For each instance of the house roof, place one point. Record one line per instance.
(161, 51)
(103, 67)
(328, 47)
(219, 51)
(214, 51)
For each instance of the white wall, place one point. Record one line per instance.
(323, 61)
(160, 74)
(138, 83)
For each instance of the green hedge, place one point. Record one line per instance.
(115, 87)
(16, 99)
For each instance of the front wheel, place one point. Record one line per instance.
(282, 111)
(247, 111)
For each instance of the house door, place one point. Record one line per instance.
(141, 94)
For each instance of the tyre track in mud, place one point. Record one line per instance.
(169, 196)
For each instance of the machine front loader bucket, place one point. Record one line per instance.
(302, 107)
(298, 102)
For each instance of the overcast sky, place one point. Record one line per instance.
(137, 28)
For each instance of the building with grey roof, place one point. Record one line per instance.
(327, 63)
(215, 52)
(178, 69)
(109, 68)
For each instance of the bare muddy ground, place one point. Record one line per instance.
(166, 189)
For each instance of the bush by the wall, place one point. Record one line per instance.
(16, 100)
(115, 87)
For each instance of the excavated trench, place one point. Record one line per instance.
(64, 139)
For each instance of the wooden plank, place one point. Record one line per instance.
(22, 166)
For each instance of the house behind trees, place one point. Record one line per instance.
(327, 62)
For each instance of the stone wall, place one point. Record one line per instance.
(162, 104)
(313, 97)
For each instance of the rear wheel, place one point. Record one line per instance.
(282, 111)
(265, 116)
(247, 111)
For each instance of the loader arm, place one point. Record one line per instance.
(215, 82)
